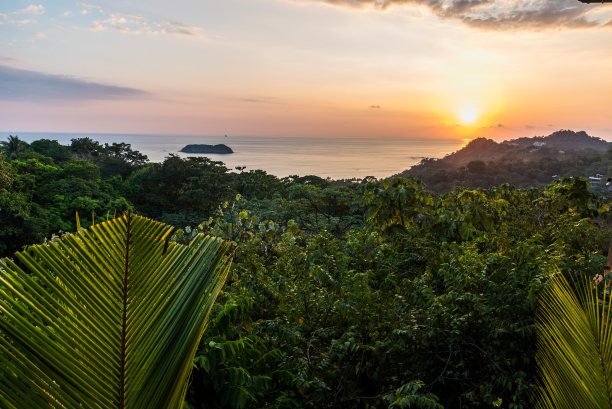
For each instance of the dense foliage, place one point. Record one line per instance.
(377, 294)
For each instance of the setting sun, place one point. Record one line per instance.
(468, 115)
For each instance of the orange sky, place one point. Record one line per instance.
(307, 68)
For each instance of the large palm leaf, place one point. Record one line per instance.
(109, 317)
(574, 352)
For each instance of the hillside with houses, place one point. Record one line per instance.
(523, 162)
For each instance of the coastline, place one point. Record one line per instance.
(337, 158)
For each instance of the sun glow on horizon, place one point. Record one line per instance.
(468, 115)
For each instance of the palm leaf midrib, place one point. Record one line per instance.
(124, 298)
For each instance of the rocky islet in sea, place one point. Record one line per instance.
(203, 148)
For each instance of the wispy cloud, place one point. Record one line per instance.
(500, 14)
(32, 9)
(175, 27)
(4, 18)
(138, 25)
(19, 84)
(87, 8)
(13, 17)
(261, 100)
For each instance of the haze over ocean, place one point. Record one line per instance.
(338, 158)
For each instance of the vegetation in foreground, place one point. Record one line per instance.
(109, 317)
(367, 295)
(574, 346)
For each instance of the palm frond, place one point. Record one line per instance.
(574, 351)
(109, 317)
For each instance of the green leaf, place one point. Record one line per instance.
(109, 317)
(574, 347)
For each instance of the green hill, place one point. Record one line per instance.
(523, 162)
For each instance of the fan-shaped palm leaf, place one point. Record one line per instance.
(574, 353)
(109, 317)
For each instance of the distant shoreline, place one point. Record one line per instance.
(337, 158)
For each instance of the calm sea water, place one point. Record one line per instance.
(338, 158)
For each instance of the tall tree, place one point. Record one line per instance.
(13, 147)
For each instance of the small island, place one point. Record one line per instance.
(202, 148)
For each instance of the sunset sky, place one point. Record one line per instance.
(403, 68)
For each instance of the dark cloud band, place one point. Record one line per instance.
(18, 84)
(499, 14)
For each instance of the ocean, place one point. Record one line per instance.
(337, 158)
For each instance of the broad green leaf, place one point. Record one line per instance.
(574, 353)
(109, 317)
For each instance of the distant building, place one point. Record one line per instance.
(595, 180)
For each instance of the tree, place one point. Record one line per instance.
(189, 187)
(109, 317)
(6, 174)
(476, 166)
(86, 148)
(125, 152)
(53, 149)
(120, 159)
(13, 147)
(394, 203)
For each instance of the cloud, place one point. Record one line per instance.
(175, 27)
(32, 9)
(86, 8)
(137, 24)
(261, 100)
(18, 84)
(5, 18)
(374, 106)
(499, 14)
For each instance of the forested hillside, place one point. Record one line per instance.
(378, 294)
(522, 162)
